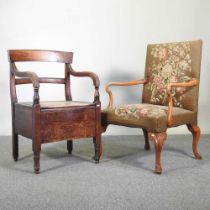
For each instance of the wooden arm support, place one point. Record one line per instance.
(94, 78)
(130, 83)
(32, 76)
(191, 83)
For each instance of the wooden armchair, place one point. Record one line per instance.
(47, 121)
(170, 95)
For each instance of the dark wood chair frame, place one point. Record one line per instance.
(29, 121)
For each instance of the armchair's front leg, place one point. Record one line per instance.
(36, 110)
(36, 137)
(158, 139)
(97, 137)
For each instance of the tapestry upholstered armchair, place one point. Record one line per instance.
(50, 121)
(169, 99)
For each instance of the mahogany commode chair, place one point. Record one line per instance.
(52, 121)
(170, 95)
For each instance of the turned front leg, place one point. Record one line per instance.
(36, 132)
(36, 161)
(158, 139)
(36, 149)
(97, 137)
(98, 148)
(195, 130)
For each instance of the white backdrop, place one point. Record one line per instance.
(108, 37)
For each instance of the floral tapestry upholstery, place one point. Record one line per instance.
(172, 62)
(148, 116)
(165, 63)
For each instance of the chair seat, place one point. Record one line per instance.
(148, 116)
(57, 104)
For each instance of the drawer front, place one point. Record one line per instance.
(67, 124)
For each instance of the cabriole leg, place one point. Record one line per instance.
(158, 139)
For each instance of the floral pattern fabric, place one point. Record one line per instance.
(140, 110)
(170, 63)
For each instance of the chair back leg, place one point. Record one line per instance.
(15, 146)
(69, 146)
(195, 130)
(146, 138)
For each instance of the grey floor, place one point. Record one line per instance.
(123, 180)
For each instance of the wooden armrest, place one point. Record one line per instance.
(92, 75)
(27, 74)
(129, 83)
(191, 83)
(32, 76)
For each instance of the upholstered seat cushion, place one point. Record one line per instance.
(57, 104)
(148, 116)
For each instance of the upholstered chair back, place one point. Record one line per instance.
(169, 63)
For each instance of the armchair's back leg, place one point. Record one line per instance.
(15, 146)
(158, 139)
(69, 146)
(195, 130)
(146, 138)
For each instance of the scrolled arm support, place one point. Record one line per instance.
(36, 96)
(191, 83)
(130, 83)
(32, 76)
(94, 78)
(96, 96)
